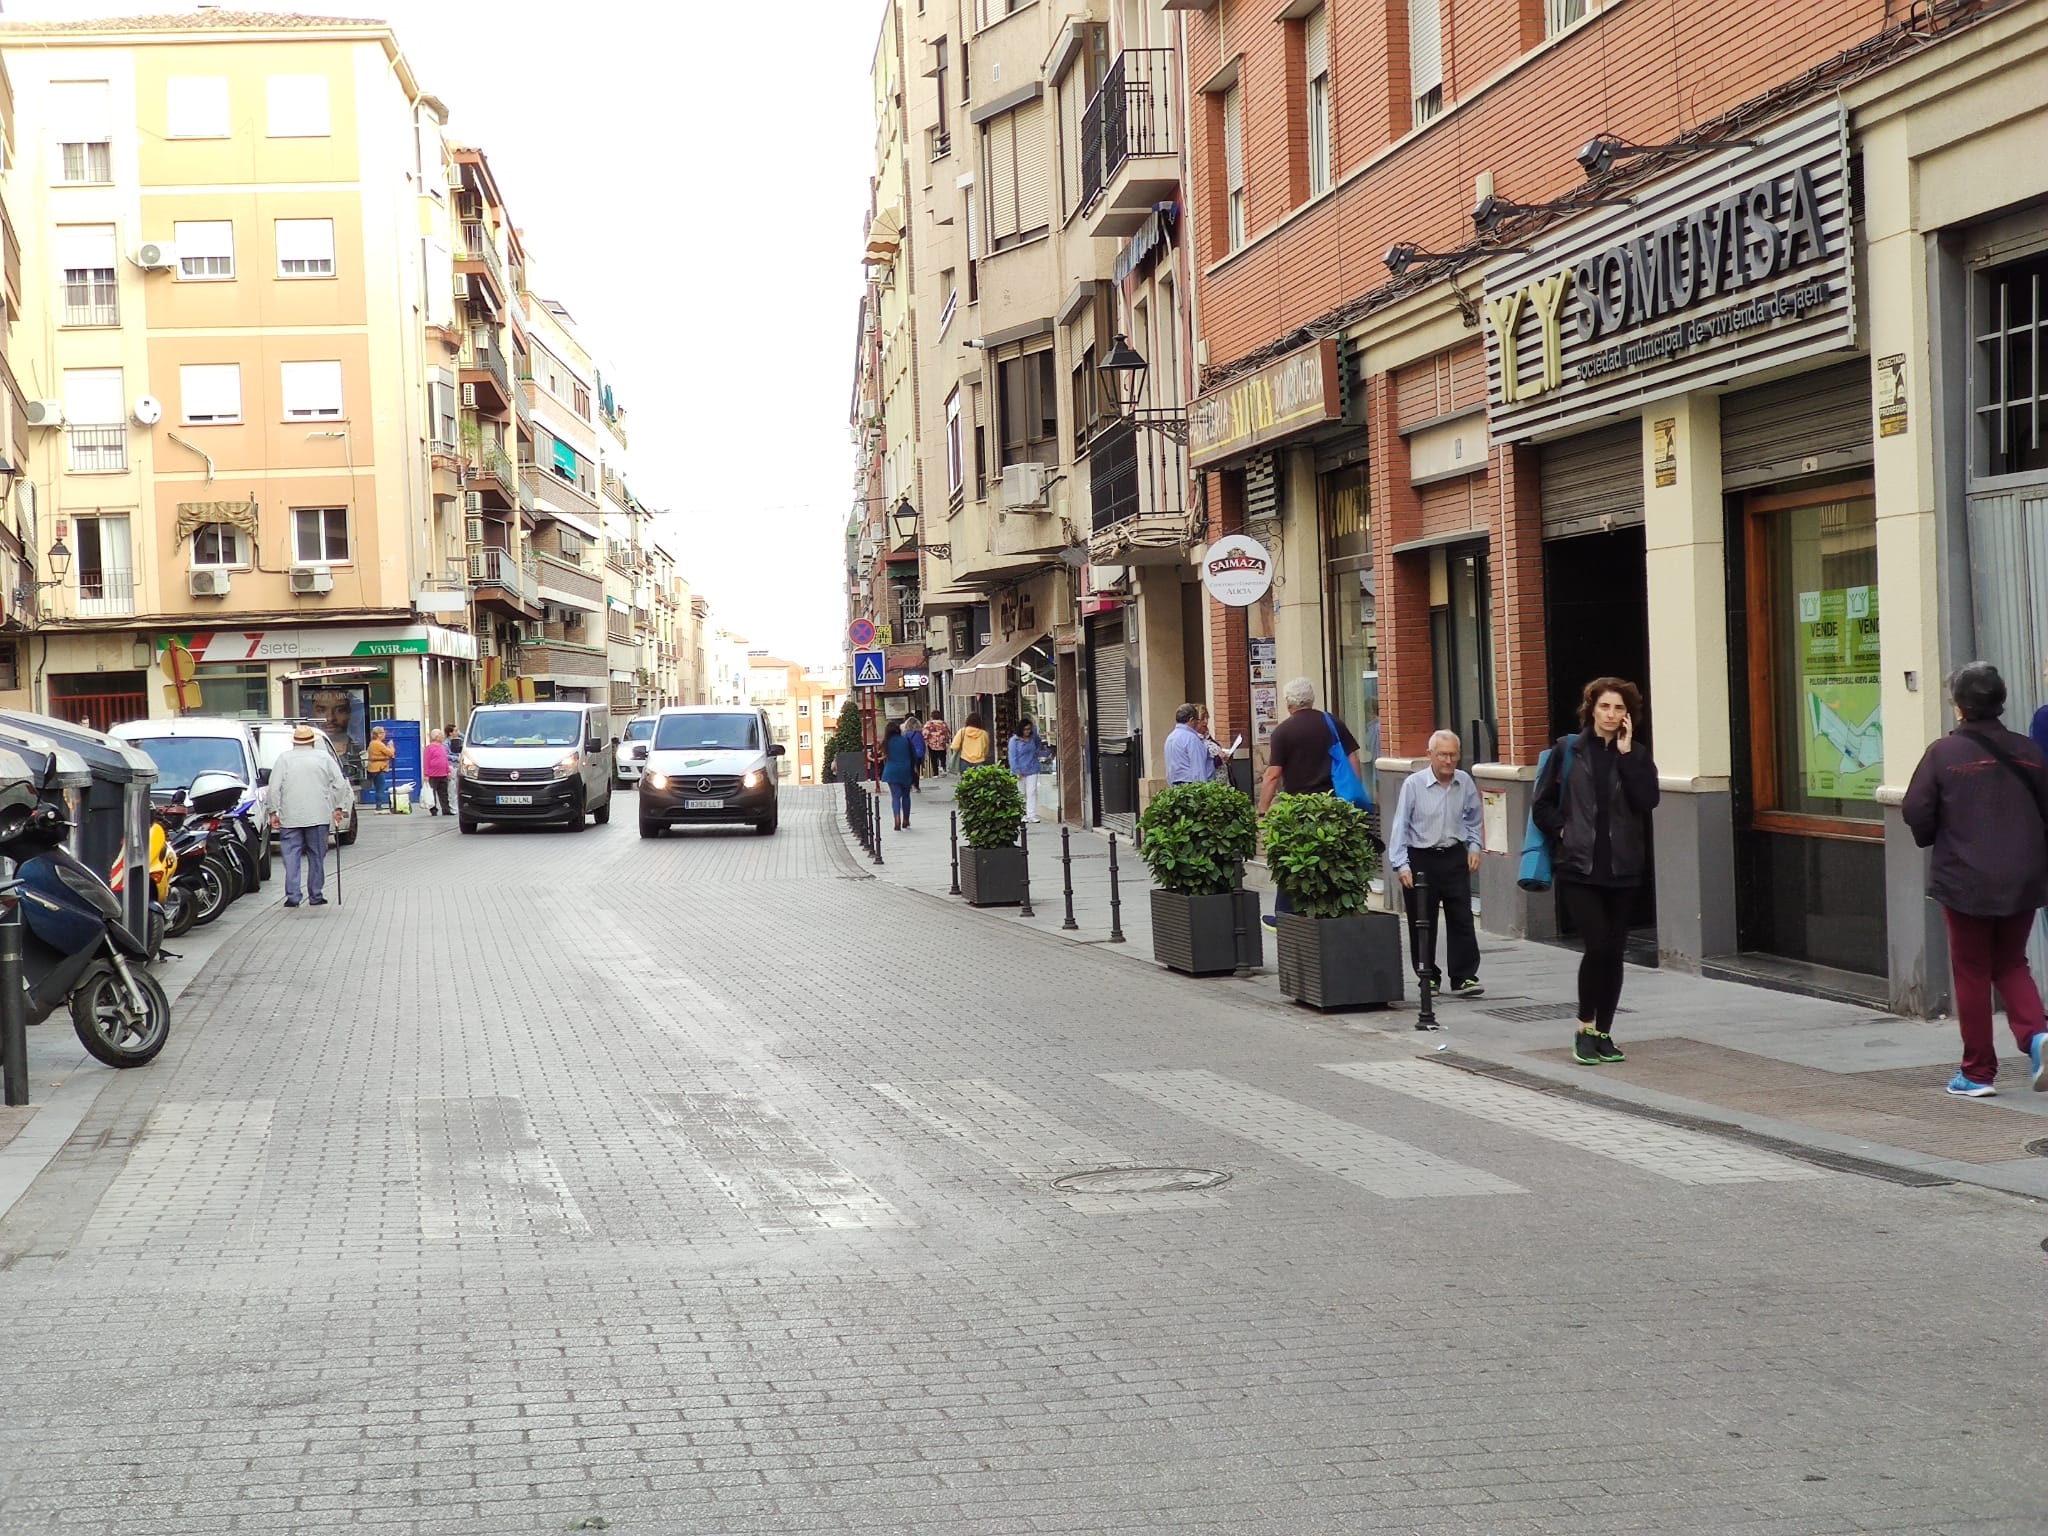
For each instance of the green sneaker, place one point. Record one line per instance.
(1608, 1050)
(1586, 1048)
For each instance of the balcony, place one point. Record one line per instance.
(619, 556)
(569, 585)
(478, 257)
(106, 593)
(486, 381)
(98, 450)
(1129, 149)
(498, 576)
(1137, 479)
(565, 661)
(10, 261)
(498, 465)
(554, 492)
(17, 414)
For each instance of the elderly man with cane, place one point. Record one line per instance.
(308, 795)
(1438, 832)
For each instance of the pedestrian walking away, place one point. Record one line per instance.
(1598, 816)
(1437, 833)
(1188, 758)
(308, 795)
(1979, 800)
(972, 746)
(1024, 748)
(1300, 758)
(899, 771)
(937, 734)
(436, 767)
(913, 732)
(381, 756)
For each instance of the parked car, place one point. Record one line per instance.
(185, 746)
(633, 744)
(708, 764)
(274, 739)
(535, 762)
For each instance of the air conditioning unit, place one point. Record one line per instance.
(469, 396)
(472, 501)
(312, 579)
(462, 285)
(46, 413)
(473, 529)
(1024, 485)
(156, 256)
(209, 583)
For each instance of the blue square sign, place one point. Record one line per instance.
(870, 669)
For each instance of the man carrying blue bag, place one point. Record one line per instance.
(1310, 752)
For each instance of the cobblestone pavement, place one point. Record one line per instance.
(706, 1185)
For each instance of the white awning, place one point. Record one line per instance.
(988, 669)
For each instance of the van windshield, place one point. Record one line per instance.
(639, 730)
(713, 733)
(181, 759)
(525, 728)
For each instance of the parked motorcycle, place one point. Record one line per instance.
(167, 897)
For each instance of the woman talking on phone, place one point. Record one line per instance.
(1594, 799)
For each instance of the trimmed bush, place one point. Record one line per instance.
(991, 806)
(1320, 851)
(1197, 836)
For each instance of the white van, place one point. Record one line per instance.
(185, 746)
(545, 761)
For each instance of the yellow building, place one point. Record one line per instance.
(223, 298)
(17, 496)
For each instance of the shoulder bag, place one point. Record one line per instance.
(1538, 856)
(1344, 782)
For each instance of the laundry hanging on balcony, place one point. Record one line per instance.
(194, 515)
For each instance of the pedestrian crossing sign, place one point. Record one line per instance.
(870, 669)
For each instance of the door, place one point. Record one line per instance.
(1462, 631)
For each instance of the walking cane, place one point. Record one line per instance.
(337, 866)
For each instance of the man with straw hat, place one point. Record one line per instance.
(308, 794)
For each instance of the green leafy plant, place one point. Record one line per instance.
(1197, 836)
(500, 693)
(1320, 851)
(991, 806)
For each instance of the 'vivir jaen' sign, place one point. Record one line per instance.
(1282, 398)
(1735, 262)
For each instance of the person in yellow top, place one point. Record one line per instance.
(972, 746)
(381, 755)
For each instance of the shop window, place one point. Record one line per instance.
(2009, 363)
(1461, 632)
(1353, 603)
(235, 689)
(1816, 729)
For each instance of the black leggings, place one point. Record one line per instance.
(1600, 914)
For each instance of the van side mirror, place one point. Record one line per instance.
(595, 744)
(776, 749)
(263, 776)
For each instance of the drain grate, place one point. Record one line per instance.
(1533, 1013)
(1139, 1181)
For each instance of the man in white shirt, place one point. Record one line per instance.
(1438, 831)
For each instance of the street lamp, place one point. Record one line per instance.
(60, 564)
(904, 520)
(1123, 376)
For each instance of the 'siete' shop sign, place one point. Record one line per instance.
(1736, 262)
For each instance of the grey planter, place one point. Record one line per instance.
(1341, 962)
(850, 767)
(1199, 936)
(992, 877)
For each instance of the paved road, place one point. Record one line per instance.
(707, 1186)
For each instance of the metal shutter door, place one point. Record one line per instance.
(1112, 709)
(1797, 426)
(1594, 481)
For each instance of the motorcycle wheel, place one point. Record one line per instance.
(251, 869)
(183, 911)
(111, 1028)
(216, 890)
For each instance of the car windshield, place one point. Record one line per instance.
(181, 759)
(525, 728)
(712, 733)
(639, 730)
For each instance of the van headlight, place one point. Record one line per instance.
(753, 778)
(657, 781)
(567, 766)
(469, 768)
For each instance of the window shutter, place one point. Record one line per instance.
(1315, 36)
(204, 238)
(210, 391)
(92, 397)
(1425, 46)
(1034, 169)
(196, 106)
(84, 246)
(305, 240)
(81, 111)
(312, 389)
(999, 166)
(1233, 138)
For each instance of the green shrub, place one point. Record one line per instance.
(501, 693)
(991, 807)
(1197, 836)
(1319, 850)
(846, 734)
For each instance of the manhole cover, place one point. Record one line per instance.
(1139, 1181)
(2037, 1147)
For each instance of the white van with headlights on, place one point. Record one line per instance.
(710, 763)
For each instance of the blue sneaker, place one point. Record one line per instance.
(2034, 1049)
(1969, 1088)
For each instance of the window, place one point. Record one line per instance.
(210, 392)
(312, 391)
(803, 740)
(298, 106)
(217, 544)
(1016, 175)
(447, 432)
(319, 535)
(1560, 14)
(955, 470)
(2009, 367)
(238, 690)
(988, 12)
(81, 117)
(85, 264)
(206, 250)
(1315, 37)
(1028, 401)
(942, 133)
(196, 107)
(1233, 166)
(1425, 59)
(94, 412)
(803, 710)
(579, 400)
(305, 247)
(104, 566)
(563, 461)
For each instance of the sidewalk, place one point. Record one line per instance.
(1838, 1080)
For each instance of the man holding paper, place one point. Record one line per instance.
(1190, 756)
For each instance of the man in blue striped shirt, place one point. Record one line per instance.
(1438, 831)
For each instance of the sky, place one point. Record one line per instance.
(696, 195)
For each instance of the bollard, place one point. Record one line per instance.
(1067, 877)
(1422, 941)
(953, 836)
(13, 1008)
(1024, 847)
(1237, 915)
(875, 820)
(1116, 905)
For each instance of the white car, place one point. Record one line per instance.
(633, 746)
(274, 739)
(186, 746)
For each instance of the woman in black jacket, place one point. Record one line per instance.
(1598, 815)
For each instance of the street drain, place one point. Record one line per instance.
(1139, 1181)
(2038, 1147)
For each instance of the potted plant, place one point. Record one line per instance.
(1334, 953)
(845, 761)
(991, 810)
(1196, 839)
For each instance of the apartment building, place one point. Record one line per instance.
(221, 310)
(1525, 363)
(569, 655)
(17, 491)
(802, 704)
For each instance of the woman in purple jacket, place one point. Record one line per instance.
(1979, 799)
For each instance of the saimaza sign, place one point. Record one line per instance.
(1237, 570)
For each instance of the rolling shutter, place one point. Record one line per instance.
(1425, 47)
(999, 173)
(1593, 482)
(1112, 708)
(1315, 38)
(1803, 425)
(1034, 168)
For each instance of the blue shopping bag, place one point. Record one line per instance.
(1537, 855)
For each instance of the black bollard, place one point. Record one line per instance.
(875, 819)
(1422, 941)
(953, 837)
(1024, 847)
(1067, 877)
(1116, 905)
(13, 1008)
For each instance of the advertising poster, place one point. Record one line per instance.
(1842, 750)
(343, 711)
(1265, 711)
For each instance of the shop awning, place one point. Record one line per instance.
(988, 669)
(885, 234)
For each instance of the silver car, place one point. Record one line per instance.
(633, 745)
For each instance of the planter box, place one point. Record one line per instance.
(850, 767)
(992, 877)
(1200, 936)
(1341, 962)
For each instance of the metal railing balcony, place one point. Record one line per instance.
(476, 246)
(1132, 114)
(104, 593)
(98, 449)
(498, 464)
(12, 254)
(501, 568)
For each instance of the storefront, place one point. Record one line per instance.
(1351, 603)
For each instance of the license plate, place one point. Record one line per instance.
(703, 805)
(515, 799)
